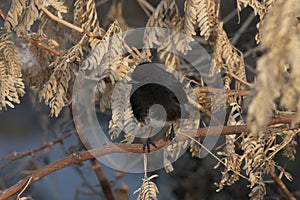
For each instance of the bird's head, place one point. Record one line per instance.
(148, 73)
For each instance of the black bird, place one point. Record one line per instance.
(157, 96)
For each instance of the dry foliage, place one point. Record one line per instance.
(278, 66)
(85, 16)
(148, 190)
(11, 83)
(104, 60)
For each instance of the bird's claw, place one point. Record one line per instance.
(170, 136)
(148, 143)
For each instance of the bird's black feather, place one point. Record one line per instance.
(153, 85)
(150, 94)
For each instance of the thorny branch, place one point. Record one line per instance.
(81, 156)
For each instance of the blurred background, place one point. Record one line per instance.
(29, 126)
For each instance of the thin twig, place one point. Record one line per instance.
(68, 24)
(99, 3)
(214, 156)
(44, 46)
(243, 28)
(207, 112)
(282, 186)
(199, 90)
(18, 155)
(147, 7)
(106, 188)
(230, 73)
(61, 21)
(250, 69)
(219, 90)
(228, 17)
(2, 15)
(252, 51)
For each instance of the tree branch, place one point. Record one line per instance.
(105, 185)
(81, 156)
(218, 90)
(43, 46)
(282, 186)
